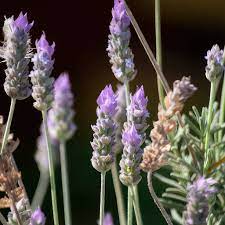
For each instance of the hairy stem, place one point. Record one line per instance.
(129, 207)
(102, 199)
(136, 206)
(159, 48)
(41, 190)
(51, 170)
(65, 184)
(210, 113)
(156, 200)
(119, 194)
(3, 220)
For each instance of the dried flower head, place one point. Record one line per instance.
(40, 76)
(131, 157)
(175, 99)
(60, 117)
(16, 52)
(199, 195)
(214, 68)
(121, 56)
(104, 131)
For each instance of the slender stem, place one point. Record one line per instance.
(129, 207)
(65, 184)
(119, 194)
(137, 205)
(210, 112)
(148, 49)
(41, 190)
(8, 124)
(102, 199)
(3, 220)
(159, 48)
(51, 170)
(222, 109)
(156, 200)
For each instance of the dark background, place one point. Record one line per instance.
(80, 29)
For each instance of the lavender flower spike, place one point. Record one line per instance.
(131, 157)
(37, 217)
(121, 56)
(104, 131)
(40, 76)
(214, 66)
(199, 195)
(108, 220)
(139, 112)
(60, 117)
(16, 52)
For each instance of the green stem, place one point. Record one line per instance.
(210, 112)
(222, 109)
(129, 207)
(156, 200)
(159, 48)
(102, 199)
(65, 184)
(51, 170)
(41, 190)
(119, 194)
(8, 124)
(3, 220)
(137, 205)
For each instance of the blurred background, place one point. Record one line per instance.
(80, 30)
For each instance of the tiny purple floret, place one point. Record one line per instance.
(131, 137)
(22, 23)
(37, 217)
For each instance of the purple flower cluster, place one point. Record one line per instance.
(40, 76)
(108, 220)
(121, 56)
(16, 52)
(199, 195)
(131, 157)
(104, 131)
(60, 117)
(37, 217)
(214, 66)
(138, 111)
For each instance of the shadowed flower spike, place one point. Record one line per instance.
(40, 76)
(22, 23)
(108, 220)
(131, 157)
(16, 52)
(60, 117)
(104, 131)
(120, 54)
(37, 217)
(199, 195)
(214, 68)
(107, 101)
